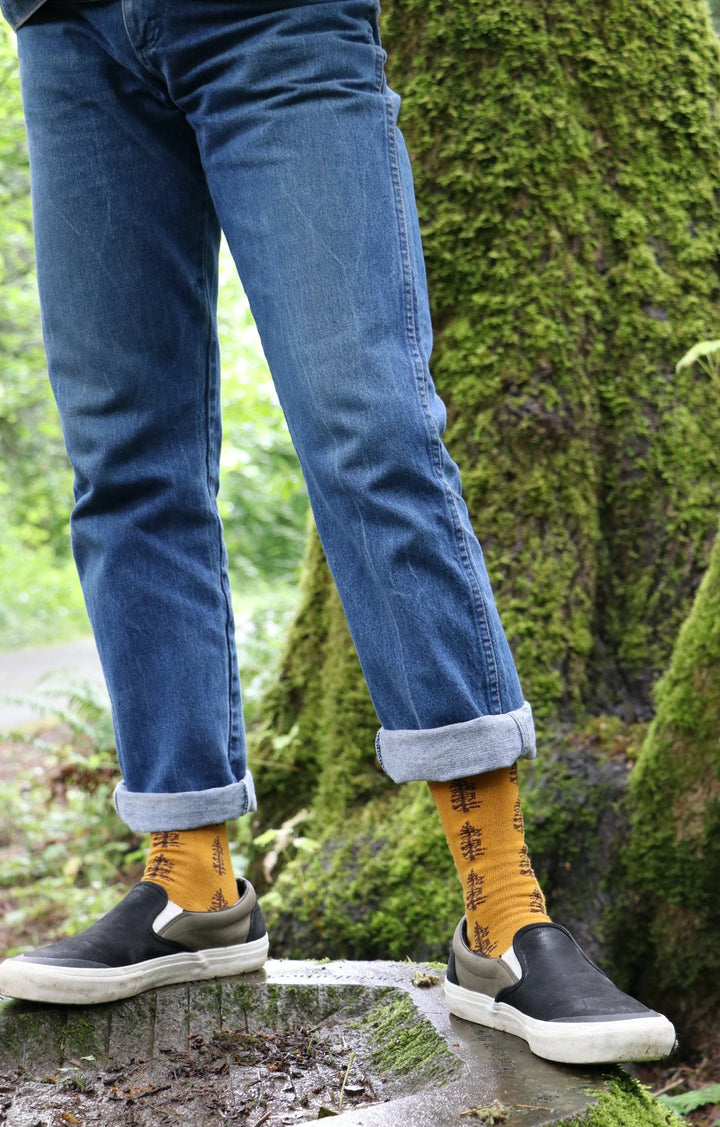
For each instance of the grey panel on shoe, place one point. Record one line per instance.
(475, 972)
(229, 926)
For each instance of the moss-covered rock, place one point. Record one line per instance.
(576, 819)
(402, 1043)
(566, 163)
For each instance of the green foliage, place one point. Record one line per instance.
(40, 597)
(263, 501)
(67, 860)
(686, 1102)
(31, 448)
(705, 354)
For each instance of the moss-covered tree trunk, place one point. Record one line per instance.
(567, 165)
(674, 853)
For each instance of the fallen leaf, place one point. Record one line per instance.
(494, 1113)
(424, 979)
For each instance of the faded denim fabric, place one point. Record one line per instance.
(152, 125)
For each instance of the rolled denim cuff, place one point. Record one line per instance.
(150, 813)
(457, 750)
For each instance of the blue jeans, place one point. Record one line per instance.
(152, 125)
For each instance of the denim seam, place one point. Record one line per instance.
(478, 602)
(380, 55)
(139, 51)
(24, 19)
(135, 50)
(210, 429)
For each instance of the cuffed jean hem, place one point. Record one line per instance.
(149, 813)
(457, 750)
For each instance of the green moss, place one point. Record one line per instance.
(402, 1042)
(318, 729)
(570, 218)
(383, 886)
(625, 1104)
(83, 1037)
(673, 859)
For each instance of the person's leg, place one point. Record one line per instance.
(327, 243)
(312, 186)
(127, 240)
(326, 240)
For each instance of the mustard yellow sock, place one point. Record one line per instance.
(483, 823)
(194, 867)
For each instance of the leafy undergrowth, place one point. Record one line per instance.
(65, 857)
(690, 1089)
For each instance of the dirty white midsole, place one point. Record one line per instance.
(41, 982)
(591, 1042)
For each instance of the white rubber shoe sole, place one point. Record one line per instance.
(42, 982)
(568, 1042)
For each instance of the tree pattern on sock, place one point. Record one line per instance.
(473, 891)
(537, 902)
(526, 869)
(159, 867)
(218, 902)
(165, 839)
(218, 862)
(463, 797)
(471, 845)
(194, 867)
(483, 822)
(481, 941)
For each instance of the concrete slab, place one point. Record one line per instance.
(456, 1067)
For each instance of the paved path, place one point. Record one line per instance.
(21, 670)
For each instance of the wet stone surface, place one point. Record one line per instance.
(362, 1043)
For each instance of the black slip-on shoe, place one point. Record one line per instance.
(546, 990)
(145, 941)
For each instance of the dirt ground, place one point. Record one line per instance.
(274, 1079)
